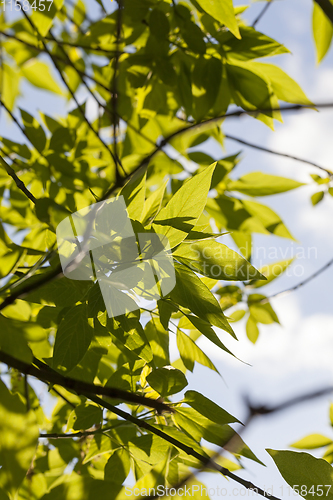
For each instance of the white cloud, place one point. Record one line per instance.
(299, 345)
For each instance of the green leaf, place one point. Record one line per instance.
(303, 472)
(252, 44)
(261, 312)
(18, 440)
(208, 408)
(153, 204)
(39, 75)
(43, 19)
(180, 215)
(34, 131)
(148, 448)
(134, 195)
(250, 90)
(252, 330)
(13, 341)
(317, 198)
(73, 338)
(268, 218)
(215, 260)
(199, 427)
(10, 85)
(79, 13)
(192, 293)
(312, 441)
(118, 466)
(203, 327)
(158, 338)
(322, 31)
(272, 271)
(222, 11)
(84, 417)
(259, 184)
(167, 380)
(129, 332)
(159, 24)
(283, 85)
(190, 352)
(194, 37)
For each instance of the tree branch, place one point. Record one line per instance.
(271, 151)
(47, 375)
(299, 285)
(187, 449)
(20, 184)
(262, 13)
(55, 56)
(114, 90)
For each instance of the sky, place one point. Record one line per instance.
(295, 357)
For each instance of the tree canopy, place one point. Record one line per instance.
(163, 76)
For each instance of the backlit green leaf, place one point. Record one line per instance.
(179, 216)
(167, 380)
(18, 440)
(303, 472)
(259, 184)
(223, 12)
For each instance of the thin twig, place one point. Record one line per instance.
(55, 56)
(114, 90)
(19, 183)
(210, 121)
(26, 390)
(187, 449)
(45, 374)
(271, 151)
(299, 285)
(53, 389)
(262, 13)
(79, 107)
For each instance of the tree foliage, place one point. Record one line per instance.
(163, 76)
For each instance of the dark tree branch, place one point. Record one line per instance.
(285, 405)
(19, 183)
(187, 449)
(47, 375)
(24, 132)
(210, 121)
(271, 151)
(22, 291)
(299, 285)
(262, 13)
(114, 90)
(60, 59)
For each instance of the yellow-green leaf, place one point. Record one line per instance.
(260, 184)
(180, 215)
(18, 440)
(39, 75)
(312, 441)
(311, 476)
(322, 31)
(215, 260)
(222, 11)
(272, 271)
